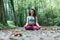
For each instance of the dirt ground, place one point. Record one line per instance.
(21, 34)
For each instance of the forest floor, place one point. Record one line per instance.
(45, 33)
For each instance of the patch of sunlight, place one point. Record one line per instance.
(11, 24)
(47, 1)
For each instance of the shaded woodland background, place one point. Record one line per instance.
(13, 13)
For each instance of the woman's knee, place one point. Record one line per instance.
(36, 27)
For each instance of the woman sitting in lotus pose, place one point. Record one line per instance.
(32, 21)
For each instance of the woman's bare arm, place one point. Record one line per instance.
(26, 22)
(37, 22)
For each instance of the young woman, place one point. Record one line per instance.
(32, 21)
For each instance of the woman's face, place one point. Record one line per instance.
(32, 12)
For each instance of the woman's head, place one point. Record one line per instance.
(32, 12)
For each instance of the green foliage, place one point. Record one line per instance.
(1, 26)
(16, 11)
(11, 24)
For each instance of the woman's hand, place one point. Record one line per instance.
(40, 26)
(24, 25)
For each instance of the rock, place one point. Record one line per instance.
(19, 35)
